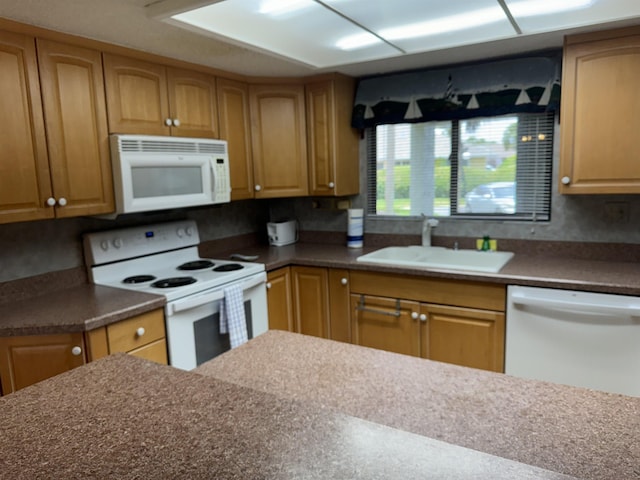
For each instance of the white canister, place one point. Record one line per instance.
(355, 227)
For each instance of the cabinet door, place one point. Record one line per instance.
(278, 136)
(192, 103)
(311, 301)
(279, 300)
(340, 305)
(24, 167)
(76, 125)
(385, 323)
(235, 128)
(136, 96)
(30, 359)
(600, 104)
(464, 336)
(333, 144)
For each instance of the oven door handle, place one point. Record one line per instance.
(210, 297)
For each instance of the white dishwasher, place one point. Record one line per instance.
(576, 338)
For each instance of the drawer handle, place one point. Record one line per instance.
(363, 308)
(140, 332)
(75, 351)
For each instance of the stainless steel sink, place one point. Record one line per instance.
(439, 257)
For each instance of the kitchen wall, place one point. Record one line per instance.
(32, 248)
(573, 218)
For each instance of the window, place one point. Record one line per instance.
(480, 167)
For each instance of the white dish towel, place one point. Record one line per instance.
(232, 319)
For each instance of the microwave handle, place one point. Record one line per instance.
(203, 299)
(214, 176)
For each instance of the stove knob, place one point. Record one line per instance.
(188, 231)
(180, 232)
(104, 245)
(117, 242)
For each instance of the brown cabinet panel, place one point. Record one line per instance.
(278, 135)
(280, 300)
(464, 336)
(154, 351)
(135, 332)
(235, 128)
(311, 301)
(386, 324)
(24, 166)
(332, 143)
(193, 103)
(136, 96)
(599, 114)
(30, 359)
(76, 126)
(339, 305)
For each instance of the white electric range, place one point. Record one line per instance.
(163, 259)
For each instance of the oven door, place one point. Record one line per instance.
(193, 322)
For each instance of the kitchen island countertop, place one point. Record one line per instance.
(124, 417)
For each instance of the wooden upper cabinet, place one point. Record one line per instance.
(148, 98)
(235, 128)
(278, 135)
(24, 167)
(332, 143)
(599, 113)
(76, 124)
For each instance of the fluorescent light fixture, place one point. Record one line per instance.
(531, 8)
(441, 25)
(280, 7)
(354, 42)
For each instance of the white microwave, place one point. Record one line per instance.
(159, 173)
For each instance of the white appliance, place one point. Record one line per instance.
(576, 338)
(163, 259)
(159, 173)
(282, 233)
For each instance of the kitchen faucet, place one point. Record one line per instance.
(427, 225)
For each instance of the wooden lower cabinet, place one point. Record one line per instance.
(26, 360)
(470, 333)
(280, 300)
(310, 300)
(142, 336)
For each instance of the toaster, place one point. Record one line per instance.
(282, 233)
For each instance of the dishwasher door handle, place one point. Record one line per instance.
(589, 308)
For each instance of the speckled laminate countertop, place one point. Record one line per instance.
(75, 309)
(575, 431)
(122, 417)
(82, 307)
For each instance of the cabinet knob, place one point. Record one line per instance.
(344, 281)
(62, 201)
(51, 201)
(566, 180)
(140, 331)
(268, 285)
(258, 188)
(414, 315)
(75, 351)
(176, 122)
(423, 317)
(331, 184)
(168, 122)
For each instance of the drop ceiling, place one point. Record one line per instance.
(254, 37)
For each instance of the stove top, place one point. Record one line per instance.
(141, 259)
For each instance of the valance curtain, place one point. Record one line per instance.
(528, 84)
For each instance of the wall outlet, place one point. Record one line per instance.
(616, 212)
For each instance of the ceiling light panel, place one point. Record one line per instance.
(302, 30)
(537, 16)
(423, 25)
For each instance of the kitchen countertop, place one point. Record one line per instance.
(82, 307)
(315, 412)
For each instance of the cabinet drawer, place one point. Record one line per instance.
(155, 351)
(123, 336)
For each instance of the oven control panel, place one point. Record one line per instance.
(124, 243)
